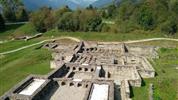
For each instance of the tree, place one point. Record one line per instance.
(21, 14)
(170, 26)
(93, 23)
(2, 23)
(90, 7)
(174, 6)
(66, 22)
(126, 10)
(80, 20)
(108, 12)
(59, 13)
(43, 20)
(89, 20)
(9, 14)
(145, 17)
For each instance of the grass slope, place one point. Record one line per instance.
(166, 81)
(16, 66)
(8, 31)
(17, 30)
(96, 36)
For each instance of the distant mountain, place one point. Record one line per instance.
(117, 2)
(84, 3)
(102, 3)
(73, 4)
(36, 4)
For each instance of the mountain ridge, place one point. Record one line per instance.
(101, 3)
(73, 4)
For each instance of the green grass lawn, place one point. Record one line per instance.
(15, 44)
(160, 43)
(16, 66)
(29, 29)
(96, 36)
(166, 81)
(17, 30)
(8, 31)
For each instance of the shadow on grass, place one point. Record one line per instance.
(131, 92)
(143, 84)
(156, 74)
(11, 27)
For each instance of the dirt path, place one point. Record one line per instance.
(78, 40)
(142, 40)
(152, 39)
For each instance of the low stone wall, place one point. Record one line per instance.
(13, 93)
(79, 47)
(60, 72)
(125, 90)
(81, 68)
(148, 71)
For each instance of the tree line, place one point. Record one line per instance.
(65, 19)
(129, 15)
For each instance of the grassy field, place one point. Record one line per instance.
(15, 44)
(28, 29)
(166, 81)
(17, 30)
(16, 66)
(162, 44)
(8, 31)
(95, 36)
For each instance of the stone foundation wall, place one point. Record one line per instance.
(125, 90)
(13, 93)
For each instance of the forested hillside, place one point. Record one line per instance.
(148, 15)
(13, 10)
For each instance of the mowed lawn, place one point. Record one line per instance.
(99, 36)
(15, 44)
(16, 66)
(166, 81)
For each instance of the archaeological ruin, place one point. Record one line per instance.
(88, 71)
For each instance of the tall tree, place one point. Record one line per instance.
(145, 17)
(170, 27)
(2, 23)
(59, 12)
(9, 14)
(43, 20)
(21, 14)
